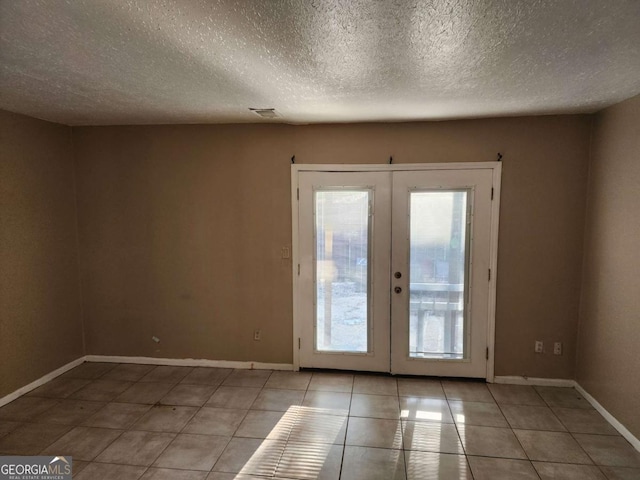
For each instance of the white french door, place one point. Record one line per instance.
(392, 268)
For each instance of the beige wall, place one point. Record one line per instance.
(609, 335)
(181, 229)
(40, 322)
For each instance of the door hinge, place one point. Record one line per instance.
(298, 269)
(487, 351)
(491, 193)
(298, 194)
(489, 274)
(299, 344)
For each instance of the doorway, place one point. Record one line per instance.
(394, 268)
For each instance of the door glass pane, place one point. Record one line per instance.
(438, 247)
(342, 277)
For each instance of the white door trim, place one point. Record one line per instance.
(496, 167)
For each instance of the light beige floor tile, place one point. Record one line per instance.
(485, 468)
(69, 412)
(429, 465)
(265, 424)
(167, 374)
(490, 442)
(375, 406)
(528, 417)
(312, 426)
(83, 443)
(609, 450)
(374, 432)
(60, 387)
(477, 413)
(289, 380)
(562, 397)
(331, 382)
(425, 409)
(431, 437)
(566, 471)
(108, 471)
(580, 420)
(516, 395)
(364, 463)
(415, 387)
(558, 447)
(78, 466)
(31, 438)
(215, 421)
(247, 378)
(207, 376)
(172, 474)
(233, 397)
(331, 403)
(308, 461)
(277, 400)
(314, 430)
(192, 452)
(90, 370)
(117, 415)
(25, 409)
(188, 395)
(467, 391)
(136, 448)
(148, 393)
(375, 385)
(621, 473)
(162, 418)
(250, 456)
(101, 390)
(128, 372)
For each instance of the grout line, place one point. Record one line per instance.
(346, 431)
(514, 433)
(404, 451)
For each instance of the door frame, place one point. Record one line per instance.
(495, 167)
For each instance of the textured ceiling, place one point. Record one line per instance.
(97, 62)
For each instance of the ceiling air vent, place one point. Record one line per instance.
(265, 112)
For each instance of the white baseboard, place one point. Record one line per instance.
(41, 381)
(185, 362)
(190, 362)
(533, 381)
(610, 418)
(560, 382)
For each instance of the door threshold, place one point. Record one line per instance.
(393, 375)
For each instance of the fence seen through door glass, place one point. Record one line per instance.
(438, 272)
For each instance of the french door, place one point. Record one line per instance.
(393, 268)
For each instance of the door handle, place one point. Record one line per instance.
(397, 290)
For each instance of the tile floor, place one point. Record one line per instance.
(123, 422)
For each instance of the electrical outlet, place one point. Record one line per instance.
(539, 348)
(257, 335)
(557, 348)
(286, 252)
